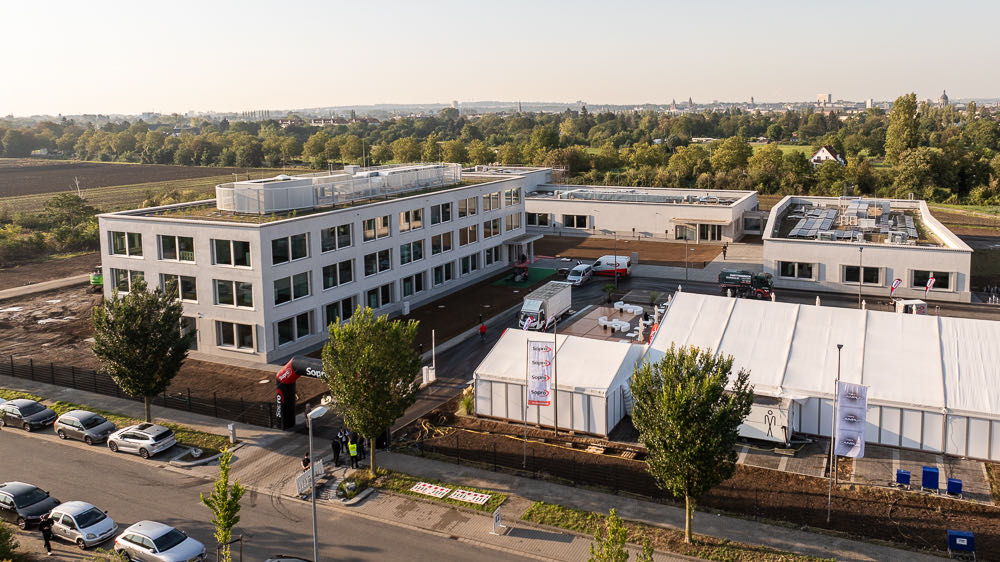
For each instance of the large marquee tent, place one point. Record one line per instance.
(934, 381)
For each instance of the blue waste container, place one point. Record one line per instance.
(961, 541)
(929, 481)
(903, 477)
(955, 486)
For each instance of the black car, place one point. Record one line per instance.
(26, 413)
(24, 504)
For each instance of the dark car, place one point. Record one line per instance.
(24, 504)
(26, 413)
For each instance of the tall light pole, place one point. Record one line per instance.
(687, 234)
(313, 414)
(861, 276)
(833, 436)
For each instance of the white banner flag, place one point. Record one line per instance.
(540, 355)
(852, 409)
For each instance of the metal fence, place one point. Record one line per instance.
(254, 412)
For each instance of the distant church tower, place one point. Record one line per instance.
(690, 103)
(943, 100)
(673, 104)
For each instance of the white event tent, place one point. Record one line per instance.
(592, 377)
(934, 381)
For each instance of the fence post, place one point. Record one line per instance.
(215, 403)
(31, 365)
(72, 371)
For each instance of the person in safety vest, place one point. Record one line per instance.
(352, 448)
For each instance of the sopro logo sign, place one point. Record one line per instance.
(539, 375)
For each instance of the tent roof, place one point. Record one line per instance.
(582, 364)
(929, 362)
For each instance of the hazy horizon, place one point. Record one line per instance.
(109, 58)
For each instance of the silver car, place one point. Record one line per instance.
(82, 523)
(156, 542)
(147, 439)
(86, 426)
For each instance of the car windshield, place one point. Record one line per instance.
(169, 540)
(31, 497)
(31, 409)
(92, 422)
(90, 517)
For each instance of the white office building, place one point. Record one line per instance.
(834, 244)
(267, 265)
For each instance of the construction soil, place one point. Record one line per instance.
(914, 520)
(650, 252)
(48, 269)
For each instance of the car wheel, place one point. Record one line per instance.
(759, 296)
(113, 446)
(22, 523)
(61, 434)
(81, 545)
(88, 440)
(144, 453)
(26, 426)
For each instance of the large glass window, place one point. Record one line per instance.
(231, 252)
(513, 222)
(375, 228)
(871, 275)
(412, 284)
(229, 334)
(338, 273)
(574, 221)
(181, 285)
(378, 262)
(491, 228)
(512, 196)
(492, 255)
(179, 248)
(467, 207)
(440, 213)
(797, 270)
(291, 288)
(126, 243)
(710, 232)
(468, 234)
(942, 279)
(537, 219)
(443, 273)
(491, 201)
(469, 263)
(411, 220)
(379, 296)
(440, 243)
(279, 251)
(411, 251)
(289, 249)
(234, 293)
(294, 328)
(342, 309)
(124, 279)
(335, 237)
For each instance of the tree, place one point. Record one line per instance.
(688, 421)
(903, 133)
(431, 150)
(731, 154)
(371, 365)
(611, 546)
(479, 153)
(764, 167)
(137, 338)
(224, 501)
(8, 542)
(406, 149)
(381, 153)
(455, 151)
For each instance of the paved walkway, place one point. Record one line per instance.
(23, 290)
(268, 462)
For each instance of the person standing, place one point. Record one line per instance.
(352, 448)
(482, 332)
(305, 462)
(724, 248)
(45, 526)
(335, 444)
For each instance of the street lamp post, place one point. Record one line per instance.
(861, 276)
(315, 413)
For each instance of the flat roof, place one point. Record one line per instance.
(641, 195)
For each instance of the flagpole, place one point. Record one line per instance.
(555, 377)
(524, 405)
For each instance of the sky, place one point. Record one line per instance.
(106, 57)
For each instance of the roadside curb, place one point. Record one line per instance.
(205, 460)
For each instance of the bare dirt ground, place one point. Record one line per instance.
(48, 269)
(912, 519)
(655, 253)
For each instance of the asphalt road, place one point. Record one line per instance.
(132, 490)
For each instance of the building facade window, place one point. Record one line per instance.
(491, 228)
(289, 248)
(231, 252)
(919, 279)
(683, 232)
(411, 220)
(183, 287)
(124, 279)
(412, 285)
(467, 207)
(537, 219)
(512, 196)
(237, 336)
(126, 243)
(796, 270)
(379, 296)
(342, 309)
(492, 255)
(469, 264)
(234, 293)
(177, 248)
(467, 235)
(411, 252)
(335, 238)
(337, 274)
(512, 222)
(377, 262)
(443, 273)
(710, 232)
(440, 243)
(491, 201)
(291, 288)
(440, 213)
(872, 275)
(574, 221)
(294, 328)
(378, 227)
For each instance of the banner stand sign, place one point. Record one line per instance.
(497, 522)
(852, 409)
(540, 355)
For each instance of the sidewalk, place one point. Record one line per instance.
(44, 286)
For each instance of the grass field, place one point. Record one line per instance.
(118, 197)
(786, 148)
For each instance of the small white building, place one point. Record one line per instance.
(267, 265)
(697, 215)
(592, 379)
(825, 153)
(836, 244)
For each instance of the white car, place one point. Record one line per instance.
(156, 542)
(580, 274)
(82, 523)
(146, 439)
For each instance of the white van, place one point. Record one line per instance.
(580, 274)
(608, 265)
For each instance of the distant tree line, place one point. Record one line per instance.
(936, 153)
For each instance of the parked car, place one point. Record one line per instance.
(580, 274)
(82, 523)
(24, 504)
(25, 413)
(147, 439)
(156, 542)
(87, 426)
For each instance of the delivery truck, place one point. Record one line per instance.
(546, 304)
(746, 284)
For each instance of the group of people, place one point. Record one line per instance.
(349, 442)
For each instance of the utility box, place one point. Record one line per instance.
(929, 479)
(961, 541)
(911, 306)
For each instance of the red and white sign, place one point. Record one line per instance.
(430, 490)
(895, 285)
(930, 285)
(471, 497)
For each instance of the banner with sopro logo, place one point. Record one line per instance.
(852, 410)
(540, 357)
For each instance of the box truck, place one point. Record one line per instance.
(546, 304)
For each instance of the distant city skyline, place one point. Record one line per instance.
(110, 58)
